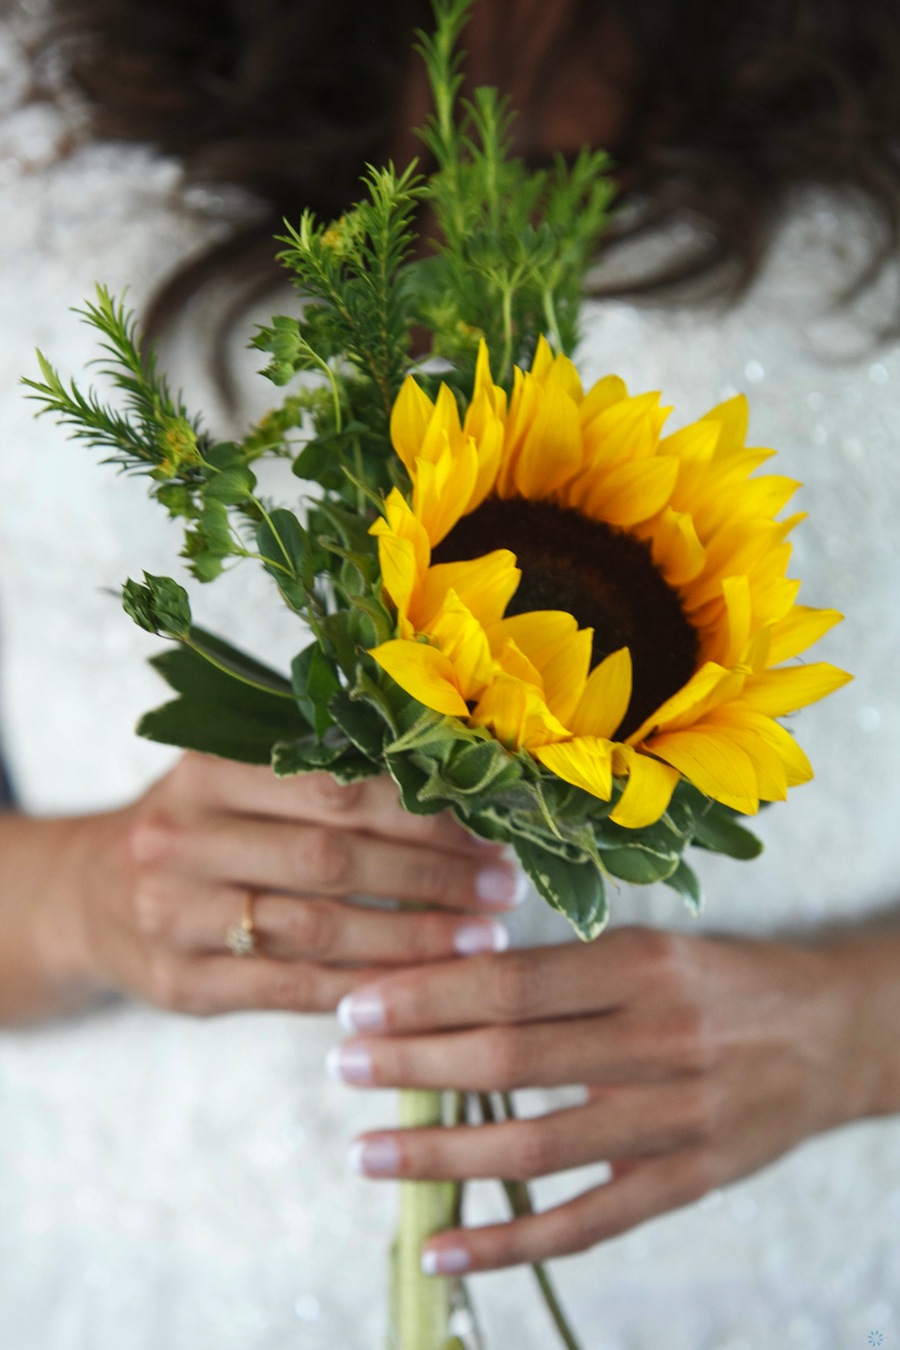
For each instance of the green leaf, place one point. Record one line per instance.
(161, 606)
(283, 542)
(720, 833)
(480, 767)
(332, 755)
(684, 880)
(411, 780)
(360, 722)
(210, 542)
(231, 487)
(638, 865)
(216, 714)
(238, 665)
(314, 681)
(574, 888)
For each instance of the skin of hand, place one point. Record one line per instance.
(140, 900)
(703, 1057)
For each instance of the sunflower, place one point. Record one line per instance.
(610, 600)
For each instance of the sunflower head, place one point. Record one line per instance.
(608, 600)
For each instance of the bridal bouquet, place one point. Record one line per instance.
(526, 603)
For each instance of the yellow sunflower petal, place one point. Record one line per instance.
(542, 364)
(602, 395)
(675, 545)
(443, 427)
(444, 486)
(733, 417)
(777, 692)
(400, 577)
(463, 641)
(739, 616)
(516, 713)
(485, 585)
(424, 672)
(606, 696)
(484, 383)
(796, 765)
(522, 411)
(799, 629)
(402, 521)
(626, 430)
(487, 432)
(554, 644)
(539, 633)
(551, 452)
(513, 661)
(648, 791)
(627, 494)
(709, 758)
(709, 686)
(410, 418)
(565, 673)
(586, 762)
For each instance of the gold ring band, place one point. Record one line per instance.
(240, 938)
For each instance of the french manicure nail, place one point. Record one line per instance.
(445, 1261)
(375, 1157)
(361, 1011)
(349, 1064)
(503, 886)
(472, 938)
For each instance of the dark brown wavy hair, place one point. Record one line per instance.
(727, 107)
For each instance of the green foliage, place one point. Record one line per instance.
(515, 244)
(348, 272)
(153, 433)
(216, 712)
(508, 264)
(161, 606)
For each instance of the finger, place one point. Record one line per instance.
(203, 986)
(613, 1048)
(630, 1124)
(195, 917)
(658, 1184)
(530, 984)
(314, 859)
(370, 805)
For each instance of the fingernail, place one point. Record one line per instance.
(349, 1064)
(375, 1157)
(445, 1261)
(501, 885)
(361, 1011)
(472, 938)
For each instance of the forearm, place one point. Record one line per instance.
(867, 962)
(43, 965)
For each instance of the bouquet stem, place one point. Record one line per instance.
(422, 1310)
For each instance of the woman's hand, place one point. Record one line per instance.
(141, 899)
(703, 1058)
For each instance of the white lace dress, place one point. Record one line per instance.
(182, 1184)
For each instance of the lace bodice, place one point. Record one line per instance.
(176, 1183)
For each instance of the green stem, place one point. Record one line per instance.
(426, 1207)
(552, 323)
(242, 679)
(507, 334)
(520, 1203)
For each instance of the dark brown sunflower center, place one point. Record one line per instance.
(603, 577)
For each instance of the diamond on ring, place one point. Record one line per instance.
(240, 938)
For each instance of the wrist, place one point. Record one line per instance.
(865, 968)
(63, 932)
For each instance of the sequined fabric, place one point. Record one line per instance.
(182, 1184)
